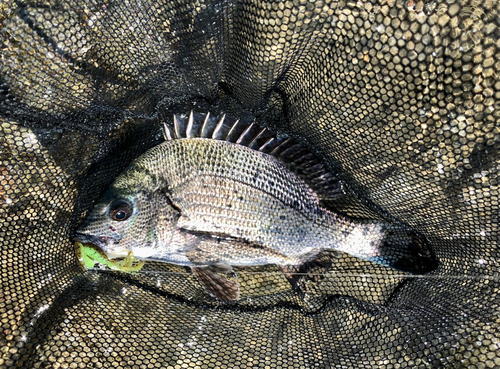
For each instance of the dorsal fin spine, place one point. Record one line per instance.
(203, 132)
(233, 127)
(189, 125)
(244, 133)
(277, 148)
(219, 127)
(262, 148)
(176, 127)
(166, 132)
(257, 137)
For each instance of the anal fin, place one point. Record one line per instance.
(218, 286)
(313, 269)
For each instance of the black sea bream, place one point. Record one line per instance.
(218, 193)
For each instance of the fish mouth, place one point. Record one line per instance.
(99, 241)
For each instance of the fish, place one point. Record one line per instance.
(219, 193)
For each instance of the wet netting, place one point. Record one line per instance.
(400, 98)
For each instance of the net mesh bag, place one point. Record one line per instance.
(399, 97)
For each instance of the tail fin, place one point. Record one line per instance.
(391, 245)
(404, 250)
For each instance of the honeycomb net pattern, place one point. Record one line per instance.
(400, 98)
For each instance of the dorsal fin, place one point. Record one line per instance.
(289, 151)
(189, 127)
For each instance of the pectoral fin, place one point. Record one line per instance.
(221, 287)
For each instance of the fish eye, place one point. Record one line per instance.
(120, 210)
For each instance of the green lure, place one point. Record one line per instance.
(88, 255)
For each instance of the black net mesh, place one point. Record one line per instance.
(400, 98)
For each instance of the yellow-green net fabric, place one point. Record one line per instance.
(400, 98)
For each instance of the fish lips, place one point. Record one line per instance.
(100, 241)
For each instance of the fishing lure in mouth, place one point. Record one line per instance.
(219, 193)
(89, 255)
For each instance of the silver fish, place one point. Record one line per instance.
(218, 193)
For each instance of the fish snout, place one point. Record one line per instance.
(100, 241)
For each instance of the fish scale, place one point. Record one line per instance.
(200, 200)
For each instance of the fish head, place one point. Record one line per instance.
(124, 221)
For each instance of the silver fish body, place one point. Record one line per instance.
(200, 202)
